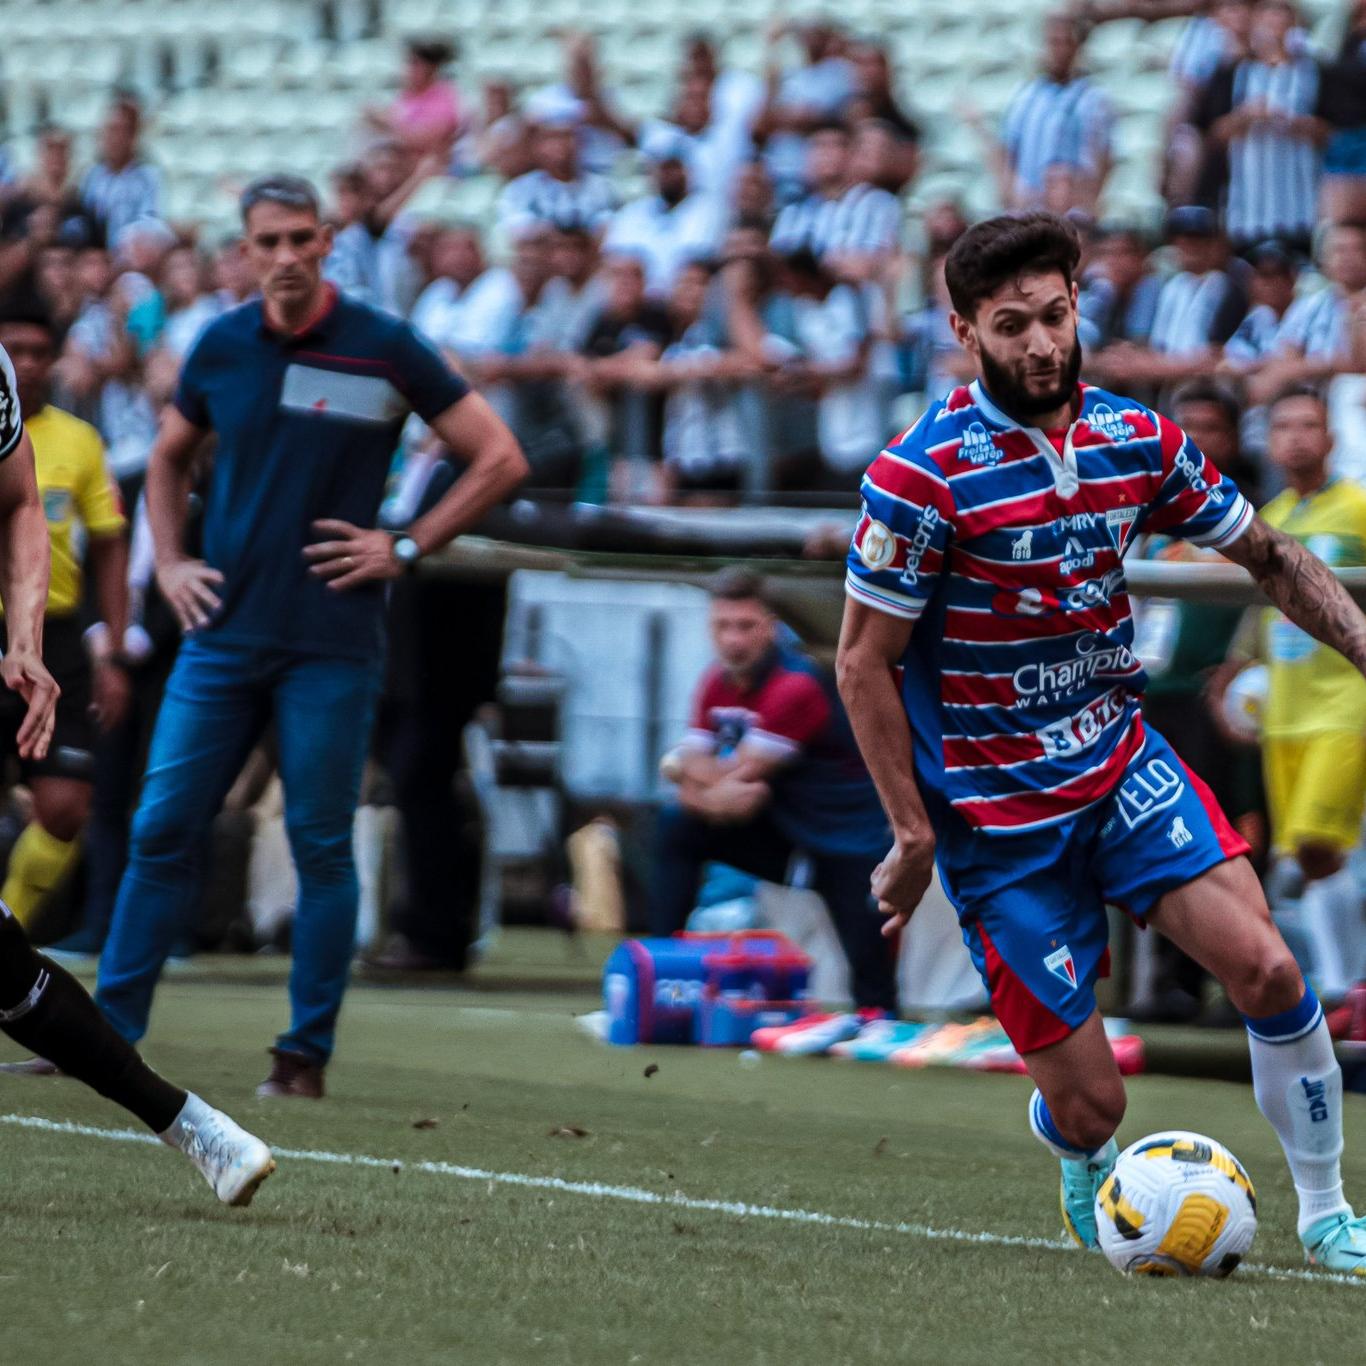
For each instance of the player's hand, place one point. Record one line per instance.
(22, 671)
(901, 879)
(350, 555)
(113, 690)
(188, 587)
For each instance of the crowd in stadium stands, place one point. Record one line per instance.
(763, 312)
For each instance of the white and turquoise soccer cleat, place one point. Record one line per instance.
(1082, 1177)
(230, 1159)
(1337, 1243)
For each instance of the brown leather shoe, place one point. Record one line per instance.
(292, 1074)
(31, 1067)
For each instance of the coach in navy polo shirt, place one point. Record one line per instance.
(306, 391)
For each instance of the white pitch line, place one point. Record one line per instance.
(638, 1195)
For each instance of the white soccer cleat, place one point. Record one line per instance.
(230, 1159)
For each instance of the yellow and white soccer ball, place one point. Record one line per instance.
(1176, 1204)
(1245, 701)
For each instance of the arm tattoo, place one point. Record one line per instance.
(1303, 587)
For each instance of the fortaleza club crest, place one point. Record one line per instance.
(1060, 964)
(1120, 523)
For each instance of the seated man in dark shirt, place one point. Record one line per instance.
(768, 772)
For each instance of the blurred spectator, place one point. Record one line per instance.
(188, 306)
(863, 234)
(1313, 342)
(121, 187)
(1118, 296)
(670, 227)
(58, 285)
(457, 261)
(557, 191)
(1214, 38)
(45, 207)
(499, 140)
(751, 197)
(1343, 108)
(1264, 135)
(425, 116)
(1198, 309)
(370, 251)
(876, 100)
(630, 328)
(1271, 292)
(933, 363)
(800, 99)
(572, 298)
(768, 770)
(503, 337)
(706, 438)
(1057, 128)
(836, 323)
(806, 224)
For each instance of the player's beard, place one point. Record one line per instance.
(1011, 394)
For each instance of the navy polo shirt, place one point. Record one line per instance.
(307, 424)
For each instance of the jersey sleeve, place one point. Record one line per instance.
(189, 397)
(425, 379)
(1194, 500)
(792, 711)
(11, 419)
(898, 549)
(97, 498)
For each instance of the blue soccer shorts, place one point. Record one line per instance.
(1032, 906)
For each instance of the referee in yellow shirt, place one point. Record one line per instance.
(81, 504)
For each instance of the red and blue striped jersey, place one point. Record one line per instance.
(1005, 544)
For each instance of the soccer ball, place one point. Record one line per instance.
(1245, 701)
(1176, 1204)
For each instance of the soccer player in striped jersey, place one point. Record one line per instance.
(42, 1006)
(1003, 730)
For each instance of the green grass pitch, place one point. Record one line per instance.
(114, 1252)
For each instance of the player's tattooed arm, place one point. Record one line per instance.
(1303, 587)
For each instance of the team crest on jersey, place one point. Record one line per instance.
(977, 447)
(1060, 964)
(877, 549)
(1103, 418)
(1120, 523)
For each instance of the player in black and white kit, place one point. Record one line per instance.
(42, 1007)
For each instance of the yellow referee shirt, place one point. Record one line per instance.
(75, 486)
(1314, 689)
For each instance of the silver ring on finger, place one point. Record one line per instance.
(350, 564)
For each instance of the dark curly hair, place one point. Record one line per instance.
(1000, 249)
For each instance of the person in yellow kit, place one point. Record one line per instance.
(1313, 720)
(80, 501)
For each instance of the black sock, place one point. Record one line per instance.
(45, 1009)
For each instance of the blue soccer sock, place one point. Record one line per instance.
(1047, 1132)
(1298, 1086)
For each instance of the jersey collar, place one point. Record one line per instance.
(1066, 481)
(314, 325)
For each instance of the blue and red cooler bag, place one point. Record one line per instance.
(711, 989)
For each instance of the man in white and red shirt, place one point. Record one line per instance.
(1003, 731)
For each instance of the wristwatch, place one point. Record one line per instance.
(407, 552)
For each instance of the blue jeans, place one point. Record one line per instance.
(217, 703)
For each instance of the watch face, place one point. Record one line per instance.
(406, 550)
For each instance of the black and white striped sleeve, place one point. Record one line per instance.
(11, 420)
